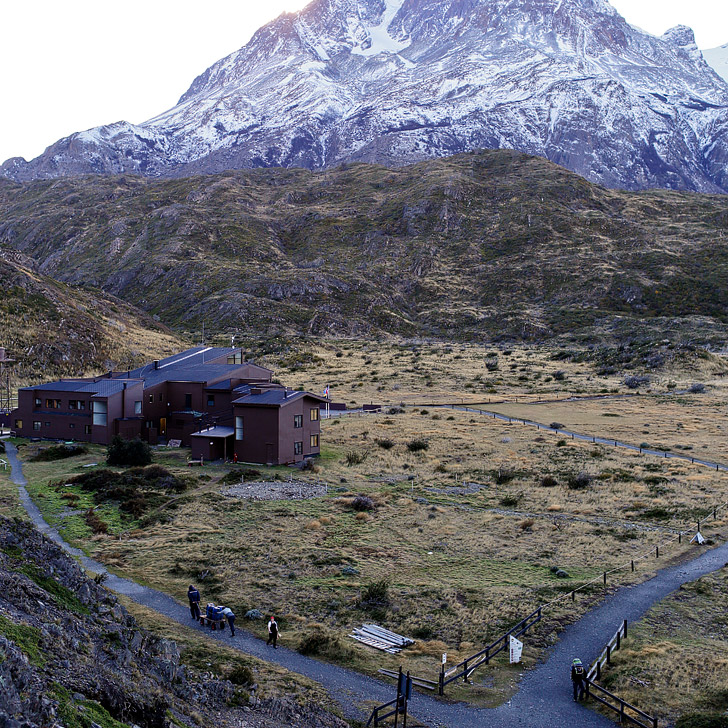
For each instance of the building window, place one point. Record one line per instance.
(81, 404)
(76, 404)
(210, 400)
(47, 424)
(151, 399)
(298, 448)
(72, 404)
(160, 396)
(188, 401)
(53, 404)
(38, 402)
(314, 440)
(298, 420)
(238, 428)
(71, 426)
(100, 408)
(314, 414)
(137, 407)
(18, 424)
(36, 425)
(87, 429)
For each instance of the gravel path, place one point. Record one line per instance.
(544, 699)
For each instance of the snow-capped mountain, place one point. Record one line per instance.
(394, 81)
(717, 58)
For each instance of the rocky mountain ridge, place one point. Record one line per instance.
(397, 81)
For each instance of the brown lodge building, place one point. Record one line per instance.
(207, 398)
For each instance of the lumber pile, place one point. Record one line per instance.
(381, 639)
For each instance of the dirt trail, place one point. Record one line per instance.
(543, 700)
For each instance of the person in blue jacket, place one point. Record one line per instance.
(194, 596)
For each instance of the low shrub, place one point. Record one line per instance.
(635, 382)
(362, 503)
(579, 481)
(94, 522)
(417, 445)
(354, 457)
(697, 388)
(560, 375)
(548, 482)
(385, 443)
(124, 453)
(322, 642)
(556, 426)
(509, 501)
(375, 594)
(56, 452)
(241, 675)
(702, 720)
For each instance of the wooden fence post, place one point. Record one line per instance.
(657, 552)
(465, 672)
(441, 681)
(609, 655)
(605, 578)
(625, 629)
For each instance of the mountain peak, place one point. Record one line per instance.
(397, 81)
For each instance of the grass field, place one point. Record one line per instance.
(442, 525)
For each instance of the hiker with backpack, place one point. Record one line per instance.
(272, 632)
(578, 678)
(194, 596)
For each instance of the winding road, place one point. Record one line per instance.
(543, 700)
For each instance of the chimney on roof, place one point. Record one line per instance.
(156, 363)
(257, 390)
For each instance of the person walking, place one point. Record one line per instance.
(230, 620)
(578, 679)
(194, 596)
(272, 632)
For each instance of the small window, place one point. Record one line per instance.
(298, 448)
(298, 420)
(314, 414)
(53, 404)
(314, 440)
(188, 401)
(87, 429)
(160, 396)
(47, 424)
(210, 400)
(72, 403)
(38, 402)
(81, 404)
(151, 399)
(36, 425)
(137, 407)
(239, 428)
(18, 424)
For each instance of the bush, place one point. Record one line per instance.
(241, 675)
(509, 501)
(697, 388)
(322, 642)
(354, 457)
(56, 452)
(548, 482)
(125, 453)
(385, 443)
(94, 522)
(634, 382)
(579, 481)
(560, 375)
(556, 426)
(395, 411)
(362, 503)
(418, 445)
(375, 594)
(504, 475)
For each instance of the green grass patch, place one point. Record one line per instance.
(84, 713)
(27, 639)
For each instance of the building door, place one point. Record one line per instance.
(162, 425)
(269, 450)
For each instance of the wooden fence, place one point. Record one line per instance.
(465, 668)
(627, 712)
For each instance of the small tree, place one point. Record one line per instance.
(125, 453)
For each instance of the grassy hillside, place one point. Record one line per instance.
(474, 246)
(53, 329)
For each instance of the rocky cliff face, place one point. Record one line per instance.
(397, 81)
(71, 656)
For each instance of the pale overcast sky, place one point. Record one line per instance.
(69, 65)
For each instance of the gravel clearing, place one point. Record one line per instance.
(276, 490)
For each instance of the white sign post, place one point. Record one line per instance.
(516, 649)
(444, 658)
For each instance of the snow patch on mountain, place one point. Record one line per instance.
(379, 39)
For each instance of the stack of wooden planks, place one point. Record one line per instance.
(380, 638)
